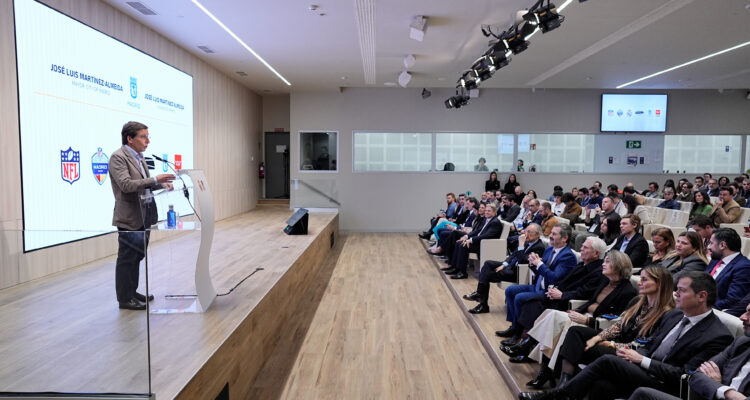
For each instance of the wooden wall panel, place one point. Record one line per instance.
(227, 130)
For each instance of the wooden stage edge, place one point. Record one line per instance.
(238, 361)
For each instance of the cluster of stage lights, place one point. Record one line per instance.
(514, 40)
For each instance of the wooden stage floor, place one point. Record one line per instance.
(65, 333)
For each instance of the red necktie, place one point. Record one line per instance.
(718, 264)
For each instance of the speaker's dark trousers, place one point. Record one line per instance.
(132, 247)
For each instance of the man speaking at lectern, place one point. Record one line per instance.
(130, 179)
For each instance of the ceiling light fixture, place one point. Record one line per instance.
(409, 61)
(404, 78)
(706, 57)
(243, 44)
(545, 17)
(418, 27)
(459, 100)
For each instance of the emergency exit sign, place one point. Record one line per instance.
(632, 144)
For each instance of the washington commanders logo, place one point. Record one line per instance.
(100, 166)
(70, 165)
(133, 87)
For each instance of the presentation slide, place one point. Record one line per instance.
(76, 89)
(634, 113)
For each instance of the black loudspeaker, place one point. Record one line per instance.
(297, 224)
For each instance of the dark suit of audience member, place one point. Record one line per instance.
(611, 377)
(739, 307)
(637, 249)
(508, 214)
(580, 283)
(461, 215)
(730, 363)
(509, 274)
(448, 240)
(732, 282)
(690, 263)
(549, 272)
(614, 303)
(537, 218)
(489, 230)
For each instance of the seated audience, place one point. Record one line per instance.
(663, 240)
(442, 232)
(510, 186)
(610, 229)
(713, 188)
(580, 283)
(496, 271)
(745, 191)
(557, 203)
(669, 202)
(447, 242)
(518, 195)
(729, 268)
(493, 183)
(688, 255)
(612, 297)
(556, 188)
(490, 229)
(619, 206)
(629, 199)
(736, 195)
(631, 242)
(583, 198)
(521, 217)
(703, 226)
(686, 338)
(723, 181)
(548, 219)
(449, 213)
(725, 376)
(532, 193)
(701, 204)
(653, 190)
(699, 184)
(509, 209)
(557, 261)
(726, 210)
(595, 196)
(573, 210)
(534, 216)
(686, 192)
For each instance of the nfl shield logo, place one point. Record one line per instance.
(164, 165)
(100, 166)
(70, 165)
(133, 87)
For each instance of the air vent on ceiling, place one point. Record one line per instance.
(240, 73)
(206, 49)
(140, 7)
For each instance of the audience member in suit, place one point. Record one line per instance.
(653, 191)
(583, 345)
(685, 339)
(580, 283)
(699, 184)
(725, 376)
(703, 226)
(447, 242)
(686, 192)
(729, 268)
(745, 191)
(493, 183)
(739, 307)
(726, 210)
(496, 271)
(510, 209)
(558, 260)
(573, 210)
(448, 213)
(490, 229)
(595, 196)
(631, 242)
(713, 188)
(583, 198)
(613, 296)
(534, 216)
(518, 195)
(548, 218)
(669, 202)
(689, 255)
(594, 224)
(737, 194)
(445, 234)
(460, 215)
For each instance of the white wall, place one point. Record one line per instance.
(404, 201)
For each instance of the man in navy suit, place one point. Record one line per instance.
(558, 260)
(491, 229)
(496, 271)
(631, 242)
(725, 376)
(729, 268)
(686, 338)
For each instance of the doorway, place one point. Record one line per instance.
(277, 165)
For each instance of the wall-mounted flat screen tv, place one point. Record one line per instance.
(634, 113)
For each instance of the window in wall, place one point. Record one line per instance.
(374, 151)
(702, 153)
(556, 152)
(318, 151)
(480, 152)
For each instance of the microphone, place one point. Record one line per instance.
(184, 186)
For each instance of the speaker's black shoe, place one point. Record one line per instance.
(451, 271)
(512, 331)
(473, 297)
(142, 298)
(133, 304)
(512, 341)
(481, 308)
(541, 379)
(460, 275)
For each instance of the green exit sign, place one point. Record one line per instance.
(633, 144)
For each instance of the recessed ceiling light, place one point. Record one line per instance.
(235, 37)
(706, 57)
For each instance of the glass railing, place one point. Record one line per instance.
(315, 193)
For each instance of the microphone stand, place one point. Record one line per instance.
(184, 186)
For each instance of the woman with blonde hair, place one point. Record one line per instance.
(663, 240)
(584, 344)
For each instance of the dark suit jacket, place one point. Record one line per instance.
(615, 303)
(690, 263)
(128, 183)
(511, 213)
(739, 307)
(730, 362)
(554, 271)
(582, 281)
(701, 342)
(536, 219)
(637, 249)
(492, 231)
(733, 282)
(522, 256)
(469, 221)
(461, 216)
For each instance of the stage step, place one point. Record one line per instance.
(273, 202)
